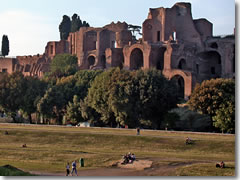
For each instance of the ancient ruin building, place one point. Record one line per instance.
(172, 41)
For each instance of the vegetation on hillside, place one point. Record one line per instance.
(116, 98)
(216, 98)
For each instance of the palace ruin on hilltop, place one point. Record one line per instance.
(172, 41)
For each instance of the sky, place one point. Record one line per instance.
(30, 24)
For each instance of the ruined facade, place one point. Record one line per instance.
(184, 49)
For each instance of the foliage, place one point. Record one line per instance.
(189, 120)
(157, 96)
(54, 103)
(63, 65)
(76, 23)
(73, 113)
(225, 117)
(170, 120)
(212, 97)
(65, 27)
(8, 170)
(12, 88)
(5, 46)
(35, 90)
(130, 98)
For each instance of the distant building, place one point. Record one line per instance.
(181, 47)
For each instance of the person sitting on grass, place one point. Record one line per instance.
(220, 165)
(189, 141)
(128, 158)
(125, 159)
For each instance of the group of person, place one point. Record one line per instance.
(128, 158)
(220, 165)
(74, 168)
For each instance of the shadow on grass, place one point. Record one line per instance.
(9, 170)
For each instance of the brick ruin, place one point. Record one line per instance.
(172, 41)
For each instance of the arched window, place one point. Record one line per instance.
(91, 61)
(136, 59)
(180, 86)
(182, 64)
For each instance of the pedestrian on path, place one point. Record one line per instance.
(74, 168)
(67, 169)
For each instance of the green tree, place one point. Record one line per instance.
(225, 117)
(131, 98)
(5, 45)
(65, 27)
(73, 113)
(60, 95)
(212, 97)
(34, 91)
(63, 65)
(76, 23)
(157, 96)
(85, 24)
(12, 89)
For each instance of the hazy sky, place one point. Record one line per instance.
(30, 24)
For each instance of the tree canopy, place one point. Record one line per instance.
(5, 45)
(131, 98)
(63, 65)
(216, 98)
(65, 27)
(70, 25)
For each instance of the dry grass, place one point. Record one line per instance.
(50, 148)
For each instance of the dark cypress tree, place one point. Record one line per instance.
(65, 27)
(76, 23)
(5, 45)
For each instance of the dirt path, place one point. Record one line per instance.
(147, 167)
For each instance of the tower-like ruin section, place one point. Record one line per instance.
(175, 23)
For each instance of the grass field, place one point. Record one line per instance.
(49, 148)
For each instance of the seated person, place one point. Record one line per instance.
(188, 141)
(133, 157)
(222, 165)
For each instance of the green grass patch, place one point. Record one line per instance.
(49, 148)
(8, 170)
(207, 170)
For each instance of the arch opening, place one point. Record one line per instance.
(136, 59)
(103, 61)
(160, 59)
(179, 81)
(91, 61)
(182, 64)
(211, 63)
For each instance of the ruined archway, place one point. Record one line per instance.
(160, 58)
(211, 63)
(182, 64)
(136, 59)
(91, 61)
(103, 61)
(179, 80)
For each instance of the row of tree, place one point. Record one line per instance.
(70, 25)
(115, 98)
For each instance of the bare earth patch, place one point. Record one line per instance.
(136, 165)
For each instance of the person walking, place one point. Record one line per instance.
(67, 169)
(138, 131)
(74, 168)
